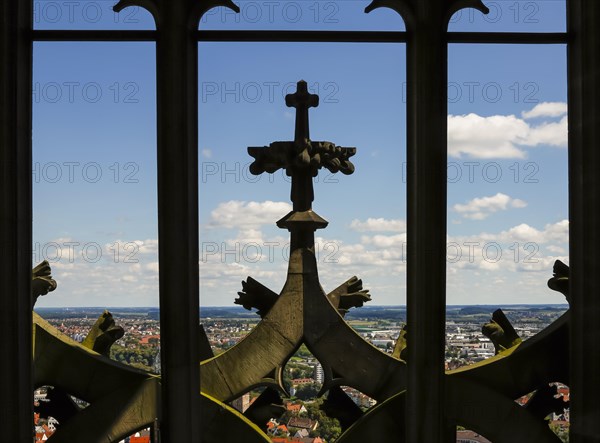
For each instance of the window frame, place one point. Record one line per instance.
(17, 38)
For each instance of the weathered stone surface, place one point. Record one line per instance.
(103, 335)
(500, 332)
(122, 399)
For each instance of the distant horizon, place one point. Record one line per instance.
(48, 308)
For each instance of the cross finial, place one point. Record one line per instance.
(302, 100)
(301, 158)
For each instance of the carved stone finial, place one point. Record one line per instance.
(301, 158)
(500, 332)
(349, 294)
(310, 155)
(560, 281)
(401, 347)
(103, 334)
(256, 295)
(42, 281)
(302, 313)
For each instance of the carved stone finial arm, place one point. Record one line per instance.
(349, 294)
(103, 334)
(256, 295)
(42, 281)
(401, 347)
(560, 281)
(500, 331)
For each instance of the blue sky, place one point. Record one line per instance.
(94, 171)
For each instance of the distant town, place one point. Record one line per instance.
(302, 420)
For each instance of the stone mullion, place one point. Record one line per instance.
(426, 211)
(177, 90)
(584, 209)
(16, 394)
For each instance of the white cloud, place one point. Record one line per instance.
(505, 136)
(524, 233)
(557, 232)
(497, 136)
(247, 236)
(557, 249)
(152, 267)
(385, 241)
(122, 272)
(378, 225)
(481, 207)
(148, 246)
(552, 133)
(546, 109)
(551, 234)
(247, 215)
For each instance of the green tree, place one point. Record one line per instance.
(329, 428)
(307, 391)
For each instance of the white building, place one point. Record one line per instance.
(318, 374)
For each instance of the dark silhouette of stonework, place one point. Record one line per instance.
(303, 313)
(41, 281)
(481, 397)
(432, 399)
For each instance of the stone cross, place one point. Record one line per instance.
(301, 158)
(302, 100)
